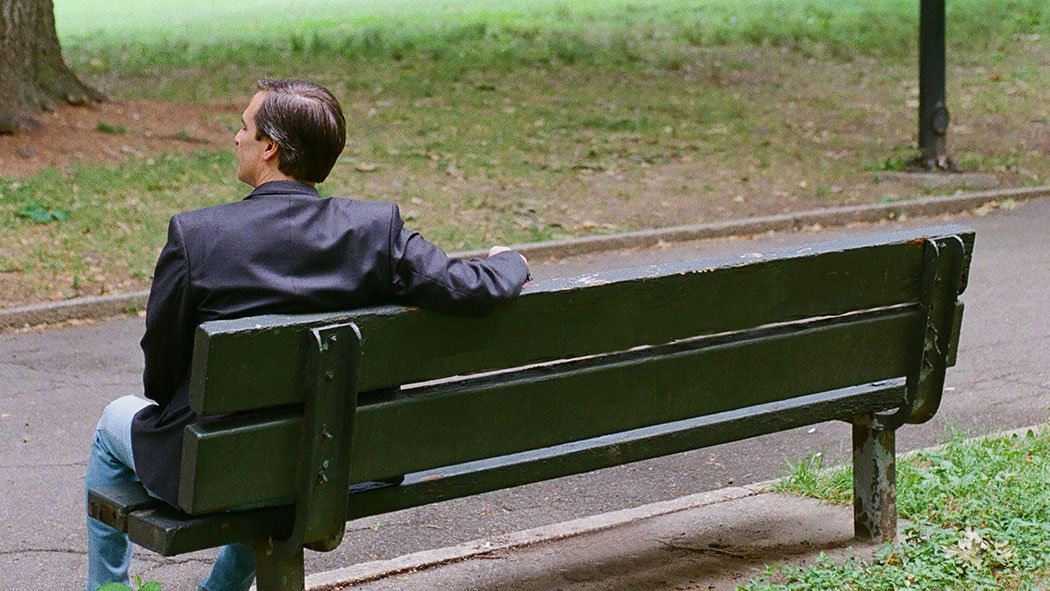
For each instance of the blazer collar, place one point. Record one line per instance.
(284, 188)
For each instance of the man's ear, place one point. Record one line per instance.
(270, 150)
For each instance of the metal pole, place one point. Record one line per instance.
(277, 568)
(874, 482)
(933, 101)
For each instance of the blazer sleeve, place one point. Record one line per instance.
(423, 275)
(168, 341)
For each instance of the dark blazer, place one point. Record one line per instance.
(285, 249)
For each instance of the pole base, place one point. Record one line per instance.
(926, 164)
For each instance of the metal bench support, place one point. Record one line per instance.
(278, 569)
(874, 482)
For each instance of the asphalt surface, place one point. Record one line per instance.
(55, 382)
(715, 545)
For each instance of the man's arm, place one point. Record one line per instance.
(498, 249)
(425, 276)
(169, 327)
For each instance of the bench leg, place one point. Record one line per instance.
(874, 482)
(277, 570)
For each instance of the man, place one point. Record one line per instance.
(283, 249)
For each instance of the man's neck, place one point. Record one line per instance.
(270, 175)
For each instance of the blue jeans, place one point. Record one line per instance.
(109, 551)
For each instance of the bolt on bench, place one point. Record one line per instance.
(316, 420)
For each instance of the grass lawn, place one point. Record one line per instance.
(980, 517)
(494, 123)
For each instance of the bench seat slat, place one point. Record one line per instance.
(153, 524)
(596, 314)
(549, 405)
(484, 476)
(169, 532)
(112, 504)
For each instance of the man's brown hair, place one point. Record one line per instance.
(306, 122)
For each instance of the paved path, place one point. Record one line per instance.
(715, 545)
(54, 383)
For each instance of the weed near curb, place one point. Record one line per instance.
(139, 586)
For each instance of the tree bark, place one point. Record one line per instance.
(33, 75)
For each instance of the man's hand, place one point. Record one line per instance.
(498, 249)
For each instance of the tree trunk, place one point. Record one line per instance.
(33, 75)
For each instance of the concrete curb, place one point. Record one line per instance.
(77, 308)
(112, 305)
(828, 217)
(370, 571)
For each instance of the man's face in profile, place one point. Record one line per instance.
(250, 160)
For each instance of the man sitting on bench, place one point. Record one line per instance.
(282, 249)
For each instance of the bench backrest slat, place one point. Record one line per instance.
(545, 406)
(551, 406)
(560, 319)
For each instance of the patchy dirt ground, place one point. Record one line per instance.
(472, 166)
(111, 131)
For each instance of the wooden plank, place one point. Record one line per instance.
(112, 504)
(641, 444)
(669, 304)
(169, 532)
(550, 405)
(230, 366)
(224, 451)
(585, 315)
(544, 406)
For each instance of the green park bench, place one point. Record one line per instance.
(318, 419)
